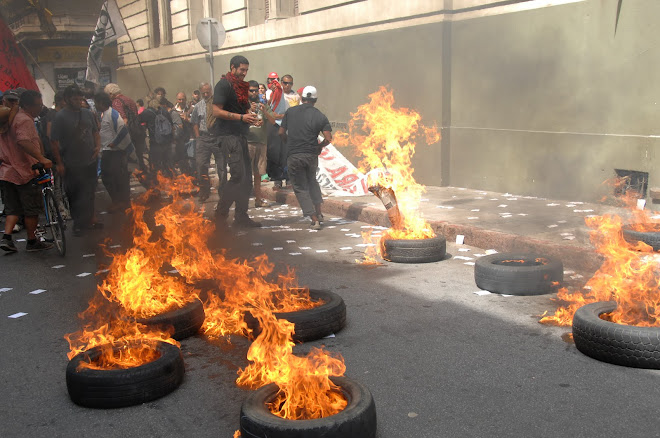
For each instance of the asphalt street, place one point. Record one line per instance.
(439, 359)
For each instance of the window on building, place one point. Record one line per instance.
(154, 23)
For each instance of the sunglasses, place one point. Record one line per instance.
(287, 83)
(253, 91)
(272, 79)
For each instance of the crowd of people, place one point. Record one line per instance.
(254, 132)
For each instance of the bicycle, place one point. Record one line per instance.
(54, 220)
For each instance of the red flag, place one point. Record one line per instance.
(14, 72)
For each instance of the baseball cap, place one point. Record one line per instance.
(309, 92)
(273, 75)
(11, 95)
(19, 91)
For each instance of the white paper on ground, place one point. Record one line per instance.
(553, 226)
(475, 209)
(490, 251)
(506, 295)
(552, 205)
(502, 206)
(523, 214)
(641, 203)
(568, 272)
(345, 229)
(469, 263)
(17, 315)
(88, 255)
(345, 248)
(464, 249)
(569, 237)
(58, 266)
(463, 258)
(115, 246)
(38, 291)
(102, 271)
(173, 271)
(331, 335)
(561, 222)
(290, 241)
(257, 244)
(6, 289)
(460, 239)
(20, 240)
(305, 247)
(362, 245)
(84, 274)
(278, 248)
(473, 217)
(321, 250)
(482, 292)
(295, 253)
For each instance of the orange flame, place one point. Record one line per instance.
(384, 137)
(628, 275)
(305, 389)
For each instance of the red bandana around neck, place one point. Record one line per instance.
(240, 88)
(277, 93)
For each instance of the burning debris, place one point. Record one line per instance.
(384, 137)
(628, 275)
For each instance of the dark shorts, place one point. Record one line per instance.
(24, 200)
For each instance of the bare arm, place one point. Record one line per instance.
(282, 133)
(220, 113)
(196, 130)
(327, 138)
(34, 151)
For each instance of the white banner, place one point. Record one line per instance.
(337, 176)
(108, 29)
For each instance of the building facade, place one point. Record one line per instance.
(534, 97)
(59, 59)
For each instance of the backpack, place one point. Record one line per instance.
(163, 129)
(178, 132)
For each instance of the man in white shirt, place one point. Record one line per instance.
(116, 149)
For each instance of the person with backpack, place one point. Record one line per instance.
(160, 128)
(180, 136)
(128, 111)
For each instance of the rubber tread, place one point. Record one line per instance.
(357, 420)
(626, 345)
(415, 250)
(185, 321)
(651, 238)
(124, 387)
(312, 324)
(55, 216)
(518, 280)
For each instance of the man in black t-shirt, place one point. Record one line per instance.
(231, 108)
(300, 129)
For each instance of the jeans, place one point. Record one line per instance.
(205, 146)
(237, 189)
(115, 176)
(80, 185)
(302, 173)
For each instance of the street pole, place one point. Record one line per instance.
(211, 52)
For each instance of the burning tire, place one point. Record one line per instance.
(357, 420)
(651, 238)
(116, 388)
(185, 320)
(414, 250)
(316, 323)
(619, 344)
(518, 274)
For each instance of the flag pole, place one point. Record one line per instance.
(36, 64)
(128, 33)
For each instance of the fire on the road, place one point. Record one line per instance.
(385, 137)
(628, 275)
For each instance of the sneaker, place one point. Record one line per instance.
(316, 225)
(38, 246)
(17, 228)
(246, 223)
(8, 245)
(320, 216)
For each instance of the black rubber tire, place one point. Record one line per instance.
(527, 278)
(619, 344)
(312, 324)
(124, 387)
(415, 250)
(357, 420)
(186, 320)
(651, 238)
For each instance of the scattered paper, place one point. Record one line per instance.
(502, 206)
(576, 276)
(469, 263)
(473, 217)
(290, 241)
(331, 335)
(568, 272)
(523, 214)
(37, 291)
(295, 253)
(569, 237)
(6, 289)
(115, 246)
(305, 247)
(641, 203)
(331, 226)
(346, 248)
(491, 251)
(482, 292)
(57, 266)
(464, 249)
(475, 209)
(362, 245)
(460, 239)
(506, 295)
(463, 258)
(88, 255)
(278, 248)
(553, 226)
(321, 250)
(552, 205)
(345, 229)
(17, 315)
(173, 271)
(257, 244)
(561, 222)
(20, 240)
(84, 274)
(102, 271)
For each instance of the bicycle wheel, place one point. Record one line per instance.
(55, 222)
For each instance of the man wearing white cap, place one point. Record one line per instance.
(300, 129)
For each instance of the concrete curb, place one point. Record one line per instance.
(581, 258)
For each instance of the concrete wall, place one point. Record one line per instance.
(544, 101)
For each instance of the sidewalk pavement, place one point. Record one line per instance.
(489, 220)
